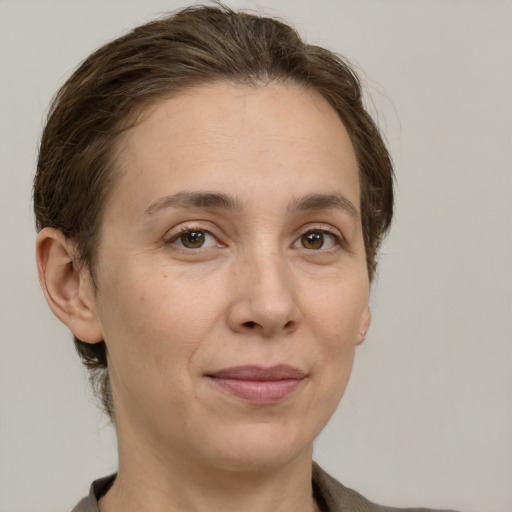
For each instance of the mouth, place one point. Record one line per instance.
(258, 384)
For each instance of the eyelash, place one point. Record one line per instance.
(188, 230)
(338, 240)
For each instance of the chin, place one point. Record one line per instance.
(261, 448)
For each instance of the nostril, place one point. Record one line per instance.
(252, 325)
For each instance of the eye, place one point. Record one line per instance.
(317, 240)
(194, 239)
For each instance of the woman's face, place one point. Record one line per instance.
(232, 283)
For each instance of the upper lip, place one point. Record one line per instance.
(253, 372)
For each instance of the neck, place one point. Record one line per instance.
(156, 482)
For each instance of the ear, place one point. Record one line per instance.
(68, 287)
(366, 318)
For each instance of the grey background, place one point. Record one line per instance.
(427, 418)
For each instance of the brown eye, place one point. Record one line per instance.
(317, 241)
(312, 240)
(192, 239)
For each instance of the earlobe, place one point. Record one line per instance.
(366, 318)
(67, 288)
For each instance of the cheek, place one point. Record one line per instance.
(151, 336)
(158, 327)
(337, 311)
(336, 331)
(335, 318)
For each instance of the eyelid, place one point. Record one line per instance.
(321, 228)
(175, 233)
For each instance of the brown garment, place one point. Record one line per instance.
(330, 495)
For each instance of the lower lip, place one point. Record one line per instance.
(259, 391)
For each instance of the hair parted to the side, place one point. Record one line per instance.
(198, 45)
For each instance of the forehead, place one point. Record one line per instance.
(224, 135)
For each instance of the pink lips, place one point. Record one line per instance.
(259, 385)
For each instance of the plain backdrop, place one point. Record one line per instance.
(427, 417)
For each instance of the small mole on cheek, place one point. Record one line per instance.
(164, 276)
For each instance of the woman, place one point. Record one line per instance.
(210, 198)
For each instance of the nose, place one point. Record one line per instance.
(264, 297)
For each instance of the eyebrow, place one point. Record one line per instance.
(194, 200)
(325, 202)
(227, 202)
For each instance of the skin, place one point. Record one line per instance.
(278, 280)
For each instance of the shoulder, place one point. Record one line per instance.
(84, 505)
(97, 490)
(332, 496)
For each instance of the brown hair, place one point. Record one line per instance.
(194, 46)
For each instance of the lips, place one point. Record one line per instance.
(257, 384)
